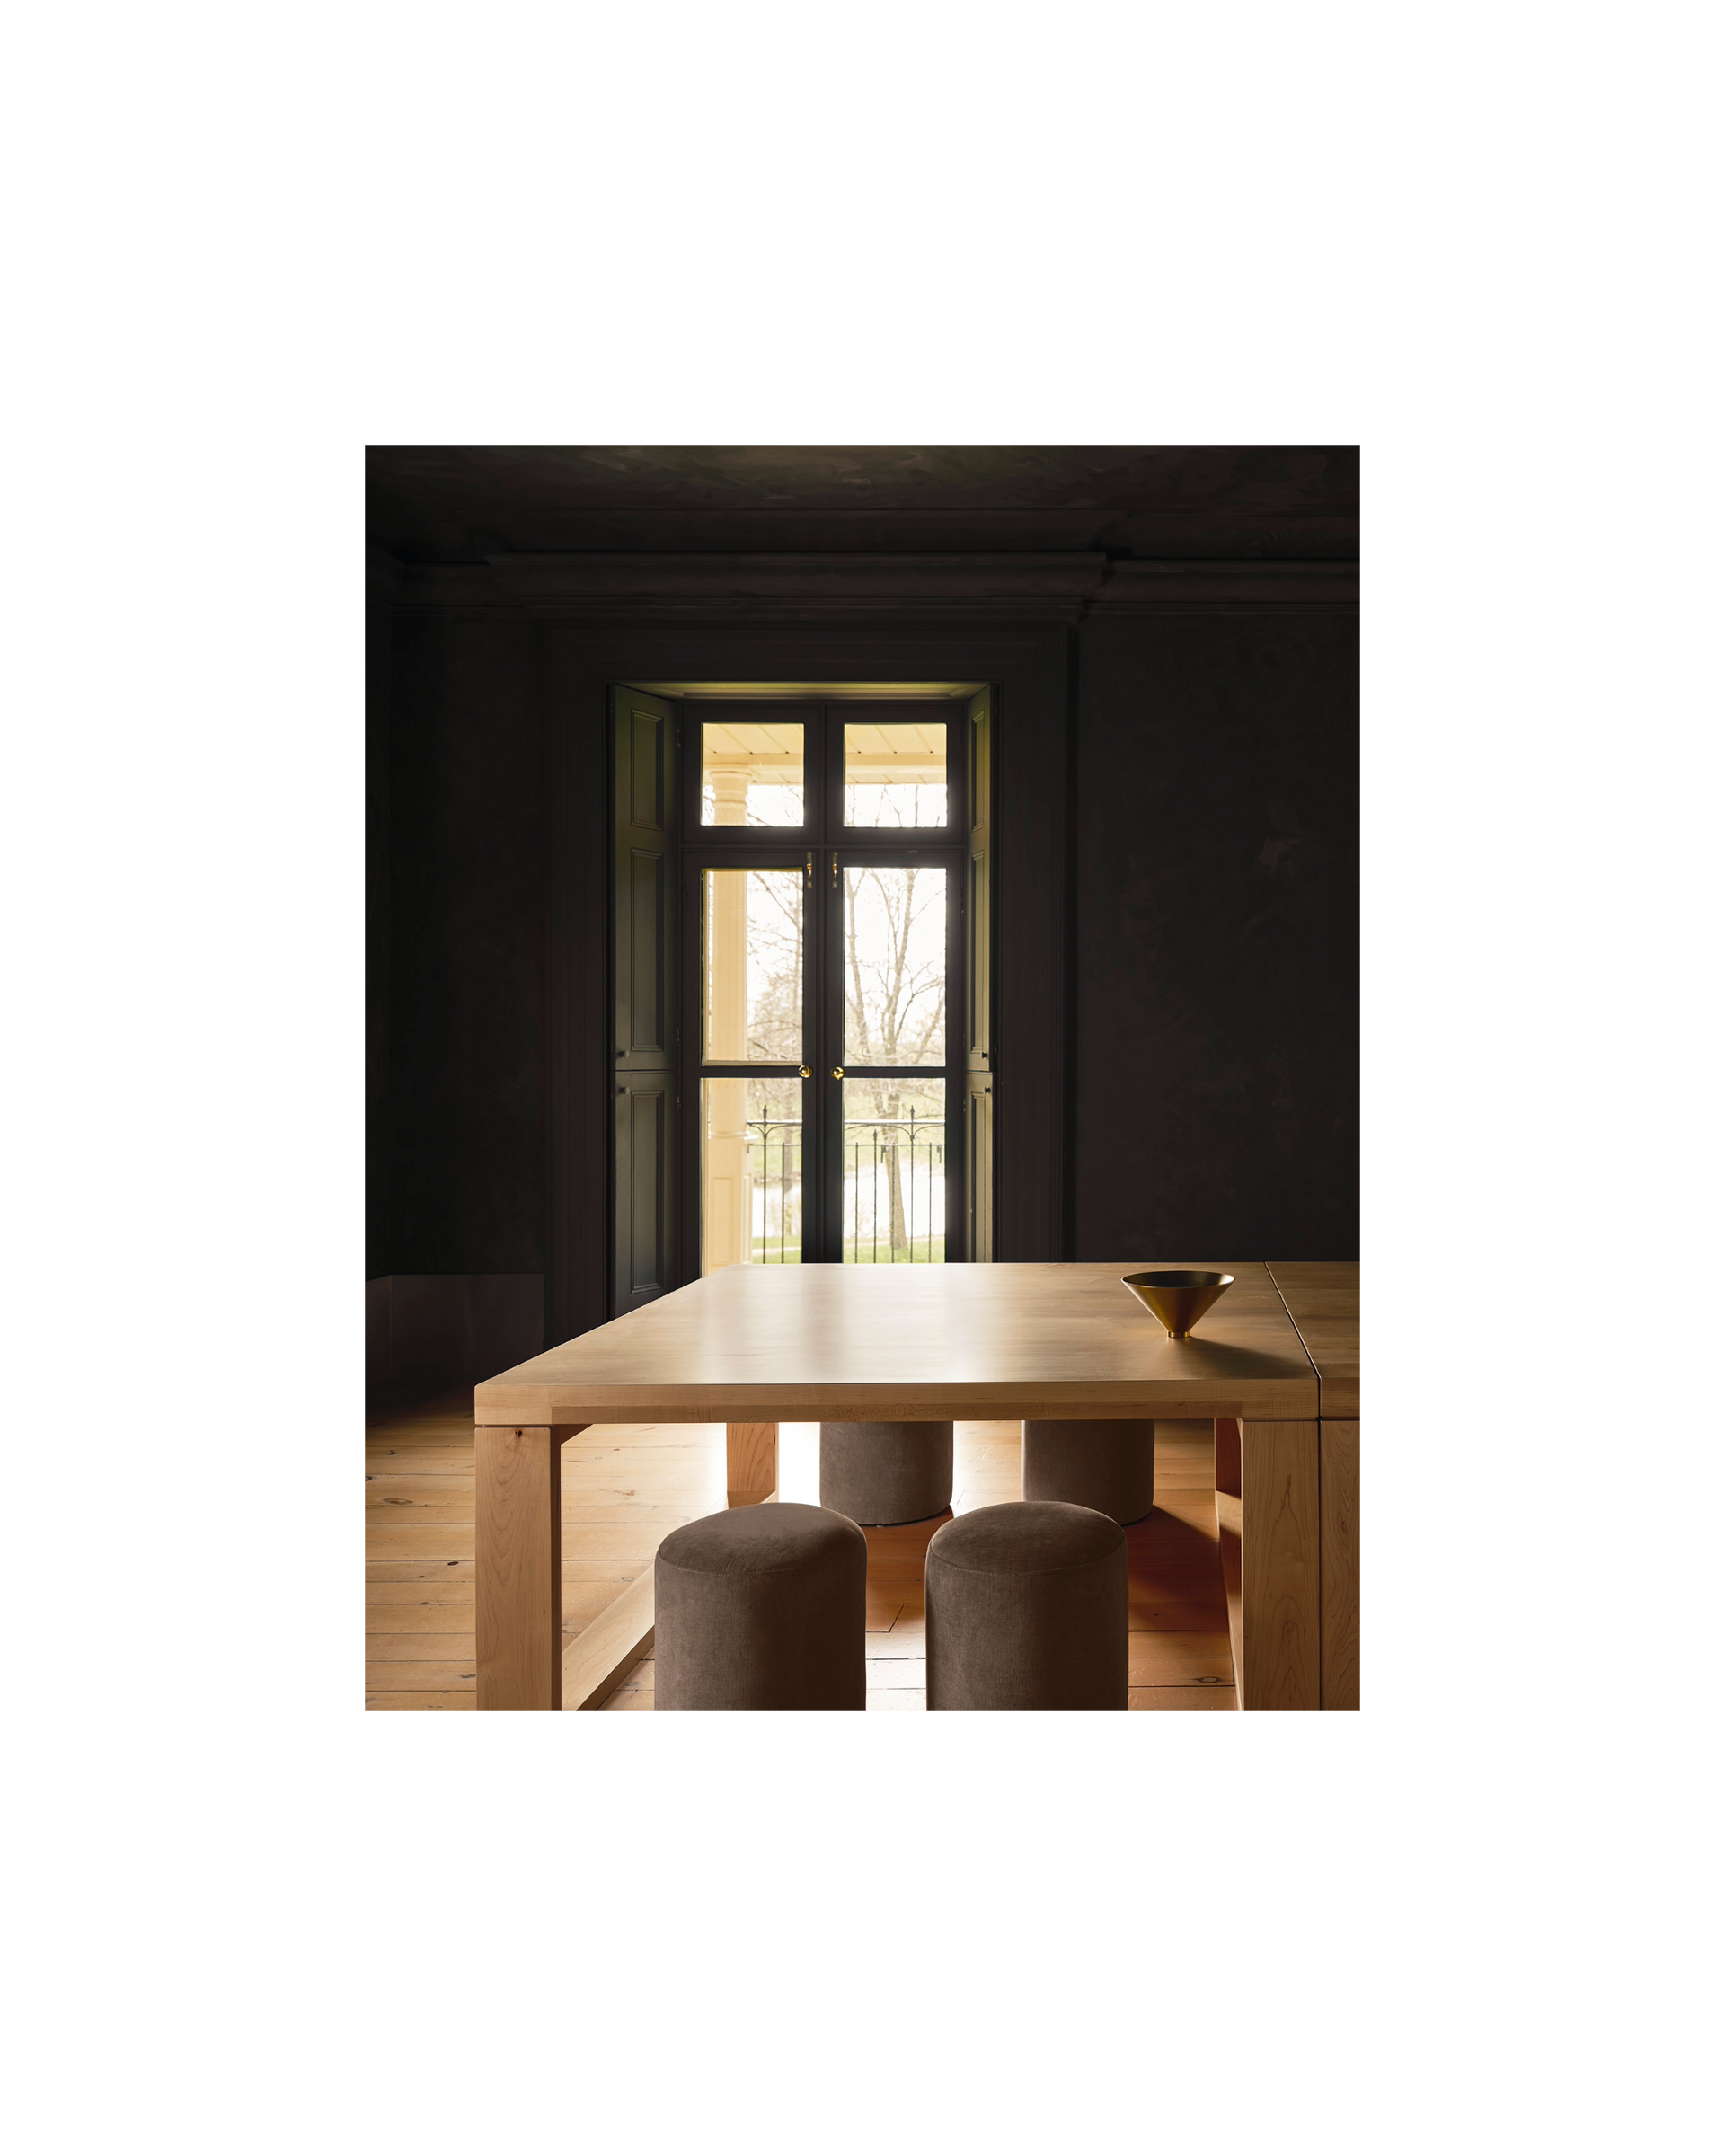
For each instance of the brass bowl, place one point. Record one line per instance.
(1179, 1299)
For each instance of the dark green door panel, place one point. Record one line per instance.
(644, 977)
(979, 1075)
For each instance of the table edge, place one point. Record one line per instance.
(1337, 1396)
(1266, 1399)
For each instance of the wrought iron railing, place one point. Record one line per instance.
(775, 1197)
(895, 1189)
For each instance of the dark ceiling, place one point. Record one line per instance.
(446, 504)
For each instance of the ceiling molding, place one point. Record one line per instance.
(833, 610)
(1147, 535)
(723, 579)
(1178, 587)
(1052, 586)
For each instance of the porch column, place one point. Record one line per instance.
(727, 1191)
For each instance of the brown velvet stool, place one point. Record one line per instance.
(762, 1607)
(882, 1474)
(1110, 1466)
(1027, 1610)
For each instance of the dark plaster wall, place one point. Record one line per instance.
(466, 986)
(378, 648)
(1213, 1062)
(1216, 1059)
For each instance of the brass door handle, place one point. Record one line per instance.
(838, 1073)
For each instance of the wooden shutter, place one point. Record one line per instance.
(979, 975)
(644, 1025)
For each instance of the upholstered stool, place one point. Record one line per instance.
(884, 1473)
(1027, 1609)
(1110, 1466)
(760, 1607)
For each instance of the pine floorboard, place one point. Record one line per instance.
(625, 1486)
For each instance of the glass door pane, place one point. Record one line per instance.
(894, 1170)
(751, 1172)
(894, 956)
(751, 965)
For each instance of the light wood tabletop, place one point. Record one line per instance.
(918, 1343)
(1322, 1297)
(753, 1346)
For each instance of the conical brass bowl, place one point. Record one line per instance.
(1179, 1299)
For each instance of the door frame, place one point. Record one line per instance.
(1029, 661)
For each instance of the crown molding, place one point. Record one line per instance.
(1056, 587)
(835, 610)
(1137, 588)
(869, 582)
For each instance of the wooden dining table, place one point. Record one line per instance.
(753, 1346)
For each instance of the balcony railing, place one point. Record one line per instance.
(775, 1176)
(895, 1190)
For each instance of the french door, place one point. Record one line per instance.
(823, 1081)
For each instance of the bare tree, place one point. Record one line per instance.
(775, 946)
(895, 992)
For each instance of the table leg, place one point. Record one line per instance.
(1338, 1481)
(1271, 1565)
(751, 1461)
(518, 1570)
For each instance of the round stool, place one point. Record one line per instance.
(882, 1474)
(760, 1607)
(1109, 1466)
(1027, 1610)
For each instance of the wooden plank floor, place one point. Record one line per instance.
(625, 1486)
